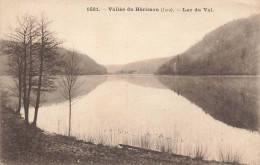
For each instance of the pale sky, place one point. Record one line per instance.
(123, 37)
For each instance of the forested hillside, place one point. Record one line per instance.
(87, 65)
(232, 49)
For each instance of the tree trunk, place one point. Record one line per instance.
(38, 98)
(35, 116)
(20, 90)
(30, 74)
(37, 105)
(69, 115)
(26, 111)
(19, 100)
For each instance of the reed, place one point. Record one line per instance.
(229, 156)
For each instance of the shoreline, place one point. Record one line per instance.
(24, 144)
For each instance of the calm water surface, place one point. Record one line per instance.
(217, 115)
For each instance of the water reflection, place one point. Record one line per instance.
(141, 111)
(232, 100)
(151, 116)
(141, 80)
(86, 85)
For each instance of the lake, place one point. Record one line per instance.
(216, 116)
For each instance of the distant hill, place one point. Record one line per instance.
(232, 49)
(139, 67)
(88, 65)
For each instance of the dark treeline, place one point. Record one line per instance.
(231, 49)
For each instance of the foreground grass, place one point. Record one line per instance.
(24, 144)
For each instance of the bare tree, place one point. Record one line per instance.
(69, 81)
(33, 36)
(48, 63)
(24, 30)
(33, 61)
(19, 47)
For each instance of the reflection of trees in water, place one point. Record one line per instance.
(89, 83)
(232, 100)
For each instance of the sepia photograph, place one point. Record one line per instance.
(129, 82)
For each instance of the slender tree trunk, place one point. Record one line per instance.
(38, 97)
(69, 82)
(20, 88)
(19, 98)
(30, 74)
(26, 111)
(69, 115)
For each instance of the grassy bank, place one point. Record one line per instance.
(22, 144)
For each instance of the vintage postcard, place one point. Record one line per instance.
(129, 82)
